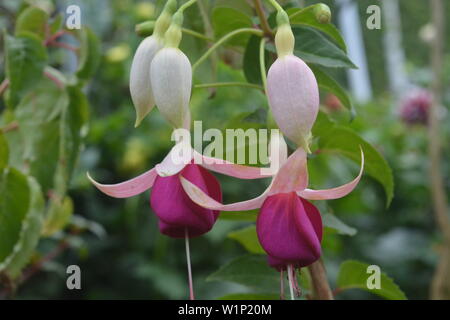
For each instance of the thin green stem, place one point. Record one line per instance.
(186, 5)
(196, 34)
(228, 84)
(224, 39)
(262, 63)
(276, 5)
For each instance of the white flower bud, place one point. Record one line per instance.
(171, 80)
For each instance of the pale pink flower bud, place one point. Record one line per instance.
(294, 98)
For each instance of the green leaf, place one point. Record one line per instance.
(26, 57)
(238, 5)
(14, 206)
(4, 152)
(250, 296)
(39, 116)
(313, 47)
(57, 23)
(251, 271)
(251, 63)
(29, 234)
(328, 84)
(346, 142)
(34, 20)
(58, 215)
(248, 238)
(90, 54)
(225, 20)
(330, 221)
(307, 17)
(353, 274)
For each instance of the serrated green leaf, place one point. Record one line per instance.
(26, 57)
(248, 238)
(57, 23)
(313, 47)
(4, 152)
(225, 20)
(353, 275)
(90, 54)
(328, 84)
(251, 271)
(330, 221)
(347, 142)
(250, 296)
(34, 20)
(29, 234)
(307, 17)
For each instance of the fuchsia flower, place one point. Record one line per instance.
(289, 227)
(178, 215)
(414, 108)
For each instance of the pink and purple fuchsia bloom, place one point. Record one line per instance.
(289, 227)
(178, 215)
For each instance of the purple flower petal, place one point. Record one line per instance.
(177, 211)
(290, 230)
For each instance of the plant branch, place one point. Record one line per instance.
(262, 18)
(321, 287)
(440, 288)
(3, 86)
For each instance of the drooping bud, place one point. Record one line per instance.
(294, 98)
(140, 82)
(322, 13)
(171, 78)
(145, 29)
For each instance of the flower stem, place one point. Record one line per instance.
(276, 5)
(321, 287)
(186, 5)
(188, 259)
(224, 39)
(262, 63)
(196, 34)
(228, 84)
(290, 271)
(281, 285)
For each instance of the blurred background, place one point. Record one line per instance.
(125, 257)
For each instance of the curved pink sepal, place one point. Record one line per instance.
(205, 201)
(229, 168)
(128, 188)
(333, 193)
(175, 161)
(293, 175)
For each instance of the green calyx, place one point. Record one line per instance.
(164, 20)
(284, 40)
